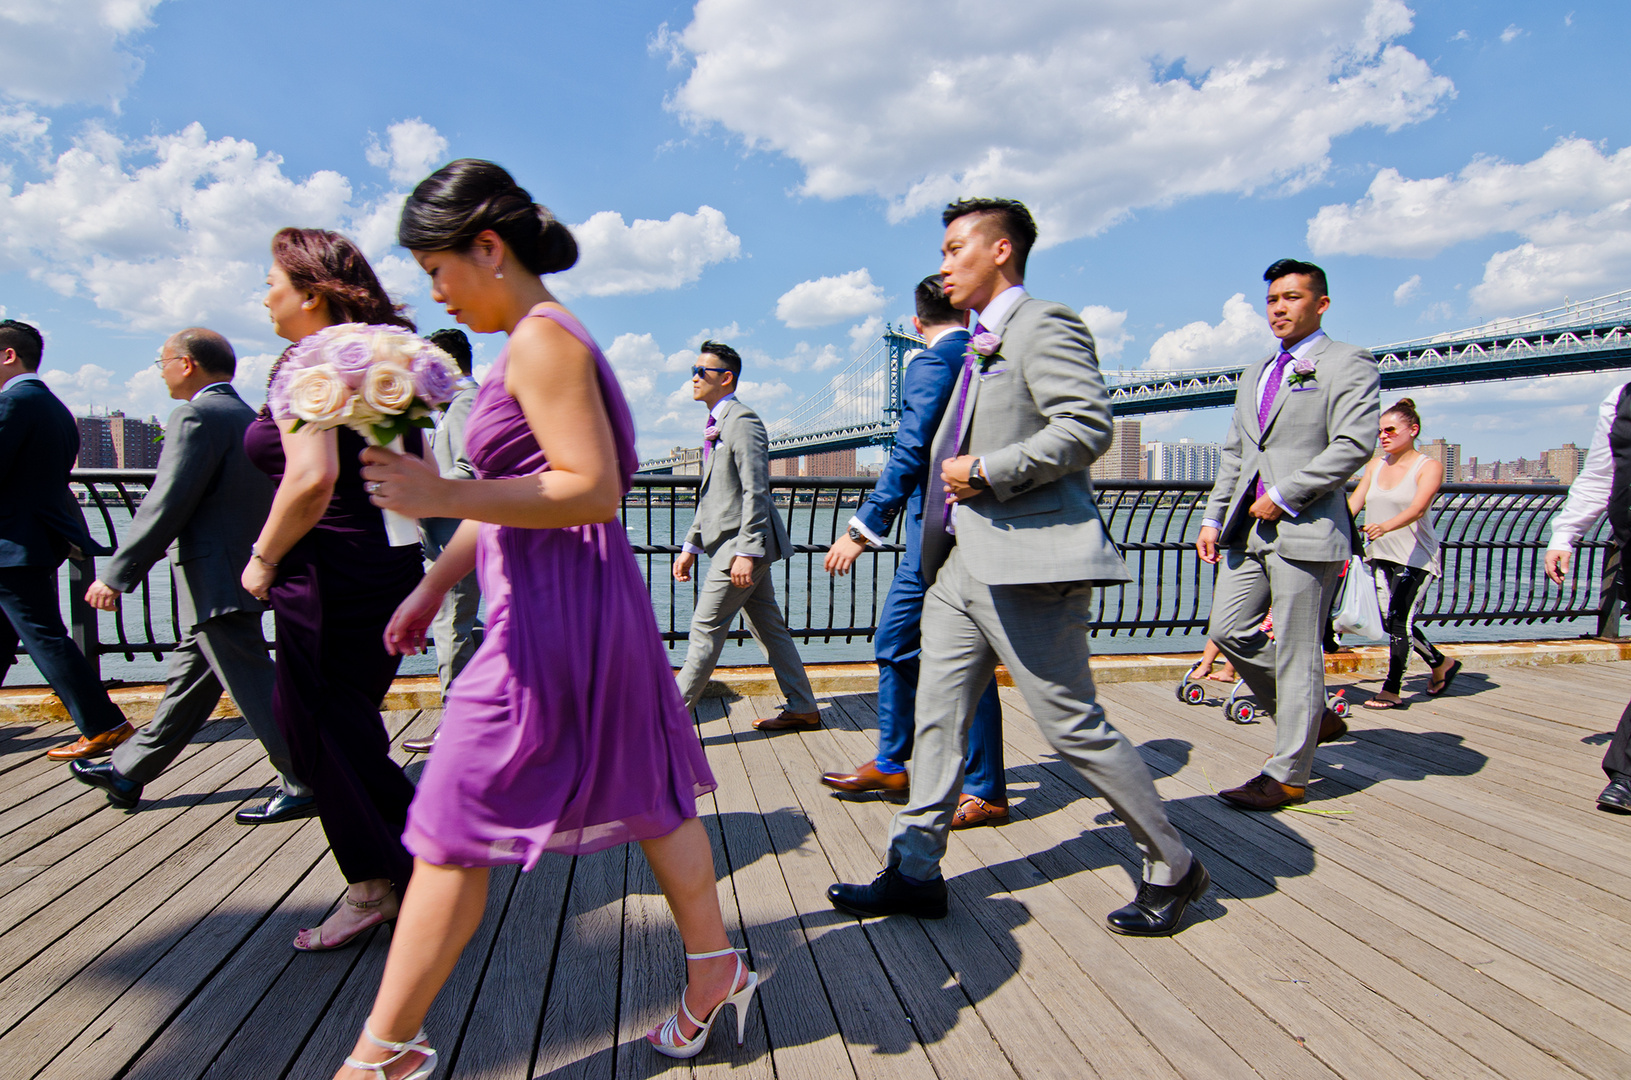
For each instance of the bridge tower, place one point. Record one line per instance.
(900, 345)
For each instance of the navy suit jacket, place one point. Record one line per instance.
(39, 440)
(930, 381)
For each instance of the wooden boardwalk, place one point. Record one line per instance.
(1456, 908)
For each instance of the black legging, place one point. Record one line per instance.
(1403, 582)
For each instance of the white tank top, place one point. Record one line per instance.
(1413, 545)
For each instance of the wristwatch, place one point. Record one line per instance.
(976, 477)
(859, 537)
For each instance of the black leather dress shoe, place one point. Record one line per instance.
(1157, 909)
(122, 793)
(1616, 797)
(891, 894)
(280, 807)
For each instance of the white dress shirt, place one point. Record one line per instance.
(1588, 495)
(25, 376)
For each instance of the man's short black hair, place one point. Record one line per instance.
(1011, 217)
(933, 309)
(23, 339)
(208, 350)
(455, 344)
(1296, 266)
(726, 356)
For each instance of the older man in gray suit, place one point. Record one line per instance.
(736, 519)
(206, 506)
(1012, 557)
(1305, 420)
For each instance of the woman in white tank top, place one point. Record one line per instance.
(1395, 492)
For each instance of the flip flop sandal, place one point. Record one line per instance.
(1382, 703)
(1449, 677)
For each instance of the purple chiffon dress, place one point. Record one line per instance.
(566, 731)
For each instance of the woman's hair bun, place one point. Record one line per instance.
(1406, 408)
(456, 203)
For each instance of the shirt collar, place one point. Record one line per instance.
(1306, 345)
(1000, 306)
(25, 377)
(938, 338)
(224, 382)
(713, 413)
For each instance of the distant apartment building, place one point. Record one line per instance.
(688, 460)
(1447, 454)
(830, 463)
(1125, 458)
(1522, 471)
(1182, 460)
(117, 441)
(1565, 462)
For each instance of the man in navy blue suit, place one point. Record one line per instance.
(927, 387)
(40, 525)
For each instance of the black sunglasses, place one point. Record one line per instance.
(699, 369)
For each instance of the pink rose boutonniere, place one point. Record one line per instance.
(1302, 371)
(983, 346)
(710, 433)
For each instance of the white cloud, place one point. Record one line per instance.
(1571, 205)
(726, 334)
(1241, 336)
(21, 126)
(1511, 34)
(1087, 111)
(412, 150)
(865, 333)
(619, 259)
(1407, 290)
(804, 357)
(57, 51)
(827, 300)
(1109, 330)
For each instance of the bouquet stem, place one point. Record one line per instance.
(400, 531)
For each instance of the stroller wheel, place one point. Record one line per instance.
(1191, 693)
(1242, 712)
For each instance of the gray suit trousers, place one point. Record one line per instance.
(456, 630)
(228, 649)
(717, 605)
(1039, 632)
(1286, 674)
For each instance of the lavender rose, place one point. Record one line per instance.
(985, 344)
(350, 354)
(433, 376)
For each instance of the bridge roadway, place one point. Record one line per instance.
(1452, 905)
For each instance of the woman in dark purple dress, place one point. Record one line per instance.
(566, 732)
(334, 579)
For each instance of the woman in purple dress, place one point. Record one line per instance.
(334, 580)
(565, 733)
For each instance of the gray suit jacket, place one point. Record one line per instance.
(1318, 434)
(206, 507)
(1039, 414)
(448, 451)
(733, 503)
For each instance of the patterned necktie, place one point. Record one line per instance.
(707, 443)
(946, 510)
(1266, 405)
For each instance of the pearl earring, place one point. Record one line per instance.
(498, 274)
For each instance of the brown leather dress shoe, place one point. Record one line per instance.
(87, 746)
(973, 810)
(1332, 727)
(789, 721)
(1262, 793)
(867, 777)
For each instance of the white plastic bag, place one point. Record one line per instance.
(1360, 611)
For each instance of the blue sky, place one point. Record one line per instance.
(772, 175)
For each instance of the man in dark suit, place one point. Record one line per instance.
(205, 508)
(40, 525)
(1011, 559)
(926, 387)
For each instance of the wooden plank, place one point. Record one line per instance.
(578, 1037)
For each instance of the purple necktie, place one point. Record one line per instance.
(957, 423)
(1266, 406)
(707, 444)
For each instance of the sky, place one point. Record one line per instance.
(771, 174)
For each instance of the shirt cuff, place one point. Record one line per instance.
(1274, 493)
(1561, 543)
(1208, 523)
(746, 555)
(860, 526)
(691, 549)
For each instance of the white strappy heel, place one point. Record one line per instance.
(415, 1045)
(669, 1040)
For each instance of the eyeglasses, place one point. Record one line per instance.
(700, 372)
(1390, 431)
(162, 360)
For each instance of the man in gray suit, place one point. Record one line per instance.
(735, 516)
(1305, 420)
(205, 508)
(1012, 556)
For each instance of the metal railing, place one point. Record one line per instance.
(1493, 541)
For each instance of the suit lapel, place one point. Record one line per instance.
(719, 422)
(1285, 391)
(974, 377)
(1249, 380)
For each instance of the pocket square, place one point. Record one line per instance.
(989, 372)
(1304, 387)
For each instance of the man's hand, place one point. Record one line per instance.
(1266, 509)
(102, 597)
(257, 579)
(954, 474)
(683, 564)
(1206, 544)
(742, 571)
(1557, 565)
(842, 555)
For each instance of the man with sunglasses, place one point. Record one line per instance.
(736, 518)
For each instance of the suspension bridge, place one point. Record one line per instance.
(861, 406)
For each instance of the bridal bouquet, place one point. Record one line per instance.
(379, 381)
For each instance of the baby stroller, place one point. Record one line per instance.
(1240, 708)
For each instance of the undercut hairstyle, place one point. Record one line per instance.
(1296, 266)
(1010, 217)
(933, 309)
(24, 340)
(209, 350)
(456, 203)
(455, 344)
(332, 268)
(726, 356)
(1405, 409)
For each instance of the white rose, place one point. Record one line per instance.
(388, 387)
(317, 394)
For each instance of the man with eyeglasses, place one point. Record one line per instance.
(205, 508)
(735, 516)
